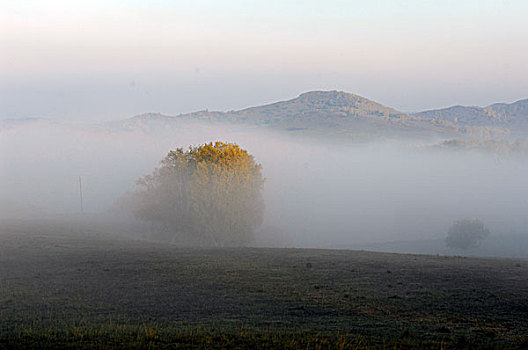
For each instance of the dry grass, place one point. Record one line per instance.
(92, 291)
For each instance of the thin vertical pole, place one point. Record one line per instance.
(80, 193)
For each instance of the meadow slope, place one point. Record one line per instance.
(63, 289)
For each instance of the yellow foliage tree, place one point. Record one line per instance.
(210, 195)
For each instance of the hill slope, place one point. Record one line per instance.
(513, 116)
(341, 114)
(330, 113)
(95, 290)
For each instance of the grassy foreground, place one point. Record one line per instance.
(61, 290)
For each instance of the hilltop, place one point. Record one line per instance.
(320, 113)
(344, 115)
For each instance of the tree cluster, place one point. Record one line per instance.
(206, 195)
(465, 234)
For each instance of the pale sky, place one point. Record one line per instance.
(115, 59)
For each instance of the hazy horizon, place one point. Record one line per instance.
(101, 60)
(120, 116)
(338, 188)
(109, 60)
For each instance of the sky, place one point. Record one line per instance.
(115, 59)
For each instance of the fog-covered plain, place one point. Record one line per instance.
(318, 192)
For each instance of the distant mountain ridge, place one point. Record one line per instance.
(338, 113)
(342, 114)
(513, 116)
(320, 113)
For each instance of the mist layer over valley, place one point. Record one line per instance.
(320, 190)
(264, 174)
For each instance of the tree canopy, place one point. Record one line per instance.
(208, 195)
(465, 234)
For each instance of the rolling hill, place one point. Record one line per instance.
(318, 113)
(343, 115)
(96, 289)
(513, 116)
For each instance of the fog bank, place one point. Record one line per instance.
(318, 193)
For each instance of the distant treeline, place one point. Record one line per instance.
(499, 147)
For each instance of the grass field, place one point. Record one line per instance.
(63, 289)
